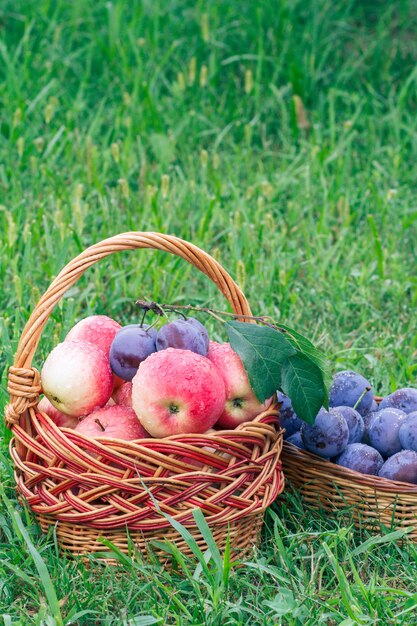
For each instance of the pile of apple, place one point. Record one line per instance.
(130, 382)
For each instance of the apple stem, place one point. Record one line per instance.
(97, 421)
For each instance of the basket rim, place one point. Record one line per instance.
(206, 438)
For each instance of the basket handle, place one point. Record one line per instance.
(24, 381)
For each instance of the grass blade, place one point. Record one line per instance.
(367, 545)
(44, 576)
(208, 538)
(379, 251)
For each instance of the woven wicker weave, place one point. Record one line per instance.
(370, 500)
(100, 488)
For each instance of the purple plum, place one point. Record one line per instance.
(288, 419)
(384, 431)
(328, 436)
(185, 334)
(401, 466)
(404, 399)
(131, 345)
(361, 458)
(354, 421)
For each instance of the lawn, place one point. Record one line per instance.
(280, 136)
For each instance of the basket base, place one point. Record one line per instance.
(76, 540)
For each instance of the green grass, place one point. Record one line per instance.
(187, 118)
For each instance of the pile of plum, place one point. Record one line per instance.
(358, 433)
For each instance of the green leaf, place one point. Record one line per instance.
(302, 381)
(318, 357)
(263, 351)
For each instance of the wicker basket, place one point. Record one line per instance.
(89, 488)
(370, 500)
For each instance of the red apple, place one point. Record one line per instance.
(241, 403)
(76, 378)
(99, 330)
(117, 381)
(177, 391)
(112, 422)
(61, 419)
(123, 394)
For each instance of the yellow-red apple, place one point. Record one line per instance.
(76, 378)
(99, 330)
(241, 403)
(61, 419)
